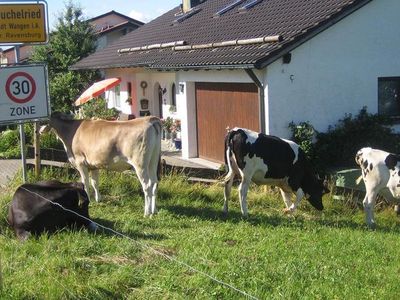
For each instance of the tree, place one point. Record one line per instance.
(73, 39)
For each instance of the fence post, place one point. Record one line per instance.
(37, 149)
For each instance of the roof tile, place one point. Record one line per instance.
(292, 19)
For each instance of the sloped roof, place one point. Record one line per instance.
(113, 12)
(293, 21)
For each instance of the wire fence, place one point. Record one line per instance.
(144, 246)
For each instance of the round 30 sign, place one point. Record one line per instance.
(23, 93)
(20, 87)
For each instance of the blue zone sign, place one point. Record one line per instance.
(23, 94)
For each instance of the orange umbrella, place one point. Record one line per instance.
(96, 89)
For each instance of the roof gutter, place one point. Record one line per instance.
(201, 67)
(261, 96)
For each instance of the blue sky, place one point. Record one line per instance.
(142, 10)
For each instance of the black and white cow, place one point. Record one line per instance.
(381, 174)
(31, 210)
(269, 160)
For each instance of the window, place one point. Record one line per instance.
(389, 96)
(117, 96)
(173, 97)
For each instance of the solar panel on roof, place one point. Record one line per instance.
(187, 15)
(228, 8)
(249, 5)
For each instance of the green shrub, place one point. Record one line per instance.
(10, 144)
(338, 146)
(303, 134)
(50, 140)
(97, 108)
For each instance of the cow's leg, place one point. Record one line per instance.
(287, 199)
(94, 180)
(227, 192)
(153, 182)
(369, 204)
(84, 172)
(144, 178)
(243, 188)
(299, 196)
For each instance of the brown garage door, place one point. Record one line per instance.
(222, 105)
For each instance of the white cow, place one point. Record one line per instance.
(381, 173)
(117, 145)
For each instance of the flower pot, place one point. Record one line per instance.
(178, 144)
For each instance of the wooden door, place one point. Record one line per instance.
(222, 105)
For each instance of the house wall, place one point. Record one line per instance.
(153, 81)
(107, 21)
(186, 100)
(8, 56)
(334, 73)
(337, 71)
(109, 38)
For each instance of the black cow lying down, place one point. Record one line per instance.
(31, 213)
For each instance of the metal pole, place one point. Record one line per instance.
(21, 128)
(261, 95)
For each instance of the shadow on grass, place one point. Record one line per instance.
(274, 220)
(234, 217)
(109, 229)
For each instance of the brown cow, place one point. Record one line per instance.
(116, 145)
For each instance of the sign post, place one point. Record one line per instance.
(23, 97)
(23, 89)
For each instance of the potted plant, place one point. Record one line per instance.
(167, 125)
(176, 129)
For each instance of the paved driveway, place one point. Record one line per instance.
(8, 169)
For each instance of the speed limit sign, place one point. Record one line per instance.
(23, 93)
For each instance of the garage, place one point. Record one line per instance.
(222, 105)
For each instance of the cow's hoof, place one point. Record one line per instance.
(23, 235)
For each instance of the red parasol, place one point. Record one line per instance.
(96, 89)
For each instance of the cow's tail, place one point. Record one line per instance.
(359, 161)
(228, 156)
(156, 123)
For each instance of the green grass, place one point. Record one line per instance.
(308, 255)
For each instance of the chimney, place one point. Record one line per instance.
(189, 4)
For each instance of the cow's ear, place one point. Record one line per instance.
(325, 185)
(44, 129)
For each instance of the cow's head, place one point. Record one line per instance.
(319, 189)
(53, 118)
(62, 115)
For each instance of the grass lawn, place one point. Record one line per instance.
(308, 255)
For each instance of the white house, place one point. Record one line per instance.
(259, 64)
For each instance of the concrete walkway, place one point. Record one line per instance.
(8, 169)
(173, 157)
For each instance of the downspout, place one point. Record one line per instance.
(261, 95)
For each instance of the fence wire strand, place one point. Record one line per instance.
(144, 245)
